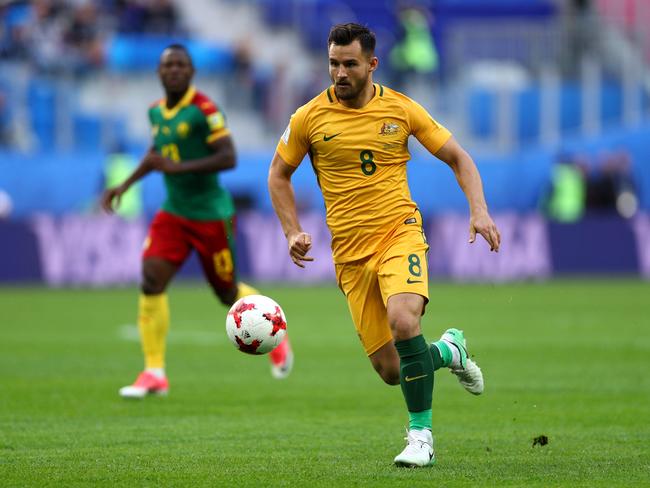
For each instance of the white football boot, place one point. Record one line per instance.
(418, 451)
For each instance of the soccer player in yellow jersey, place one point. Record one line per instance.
(356, 135)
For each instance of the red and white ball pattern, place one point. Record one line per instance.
(256, 324)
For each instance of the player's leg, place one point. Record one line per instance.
(451, 352)
(215, 244)
(385, 360)
(153, 316)
(360, 283)
(165, 250)
(416, 376)
(403, 280)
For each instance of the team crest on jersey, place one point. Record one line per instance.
(183, 129)
(388, 129)
(216, 121)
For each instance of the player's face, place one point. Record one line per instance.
(175, 71)
(350, 69)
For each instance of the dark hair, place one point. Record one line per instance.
(182, 48)
(345, 34)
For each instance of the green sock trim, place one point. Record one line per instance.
(420, 420)
(411, 347)
(416, 373)
(445, 353)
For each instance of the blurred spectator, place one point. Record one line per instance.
(241, 91)
(54, 36)
(130, 16)
(43, 36)
(579, 186)
(610, 186)
(415, 53)
(161, 18)
(263, 87)
(15, 18)
(146, 16)
(582, 30)
(278, 101)
(82, 41)
(565, 202)
(68, 35)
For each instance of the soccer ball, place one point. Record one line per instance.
(256, 324)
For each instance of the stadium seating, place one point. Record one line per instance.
(520, 173)
(128, 53)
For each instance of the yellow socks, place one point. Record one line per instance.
(153, 323)
(243, 290)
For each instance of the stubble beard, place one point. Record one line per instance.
(349, 95)
(350, 91)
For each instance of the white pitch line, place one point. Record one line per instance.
(129, 332)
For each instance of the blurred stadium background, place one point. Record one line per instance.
(551, 97)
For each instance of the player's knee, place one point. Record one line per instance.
(404, 325)
(151, 285)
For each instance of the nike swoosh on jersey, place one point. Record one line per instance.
(326, 138)
(410, 281)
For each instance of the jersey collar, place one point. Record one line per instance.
(169, 113)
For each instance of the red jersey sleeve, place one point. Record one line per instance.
(214, 118)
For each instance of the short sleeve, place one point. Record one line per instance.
(429, 132)
(294, 143)
(215, 120)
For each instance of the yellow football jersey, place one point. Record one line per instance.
(359, 157)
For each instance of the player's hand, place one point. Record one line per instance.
(159, 163)
(483, 224)
(111, 198)
(299, 246)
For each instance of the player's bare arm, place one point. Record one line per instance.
(469, 180)
(110, 199)
(284, 203)
(223, 157)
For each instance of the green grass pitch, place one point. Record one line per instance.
(568, 360)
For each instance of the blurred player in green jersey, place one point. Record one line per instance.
(191, 145)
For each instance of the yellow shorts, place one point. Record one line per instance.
(400, 266)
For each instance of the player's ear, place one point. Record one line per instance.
(374, 62)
